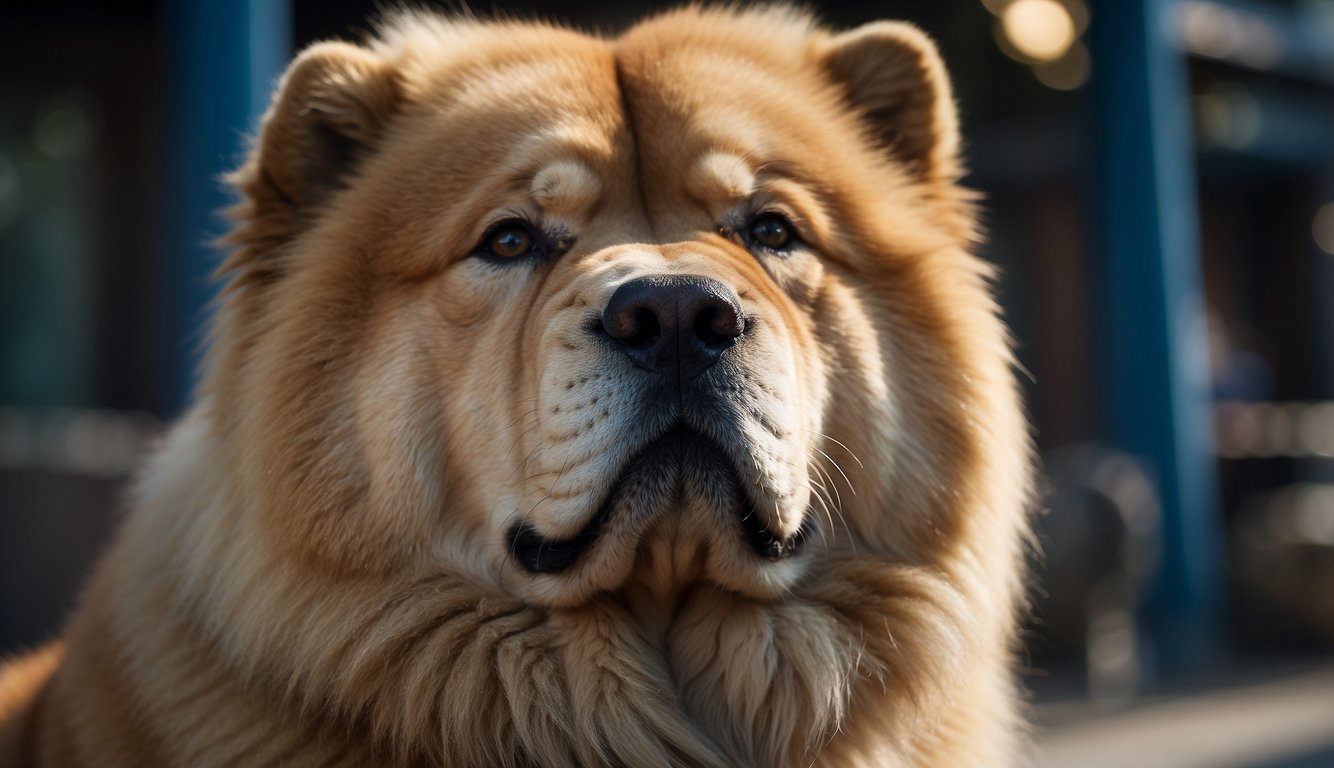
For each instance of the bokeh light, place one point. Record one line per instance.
(1228, 116)
(63, 129)
(1265, 430)
(1219, 32)
(1067, 73)
(1041, 30)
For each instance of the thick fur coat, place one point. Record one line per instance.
(451, 493)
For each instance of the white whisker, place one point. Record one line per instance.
(844, 447)
(840, 470)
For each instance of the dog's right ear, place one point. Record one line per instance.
(332, 106)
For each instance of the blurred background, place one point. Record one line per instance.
(1159, 177)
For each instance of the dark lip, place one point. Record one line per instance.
(540, 554)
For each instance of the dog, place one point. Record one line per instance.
(577, 401)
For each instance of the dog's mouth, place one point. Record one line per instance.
(682, 463)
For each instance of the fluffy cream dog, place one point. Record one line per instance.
(577, 401)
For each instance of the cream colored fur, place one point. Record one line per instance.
(315, 569)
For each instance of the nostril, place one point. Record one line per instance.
(718, 324)
(631, 324)
(644, 329)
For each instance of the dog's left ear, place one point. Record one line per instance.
(892, 74)
(330, 109)
(332, 106)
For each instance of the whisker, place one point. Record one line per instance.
(530, 412)
(837, 505)
(521, 435)
(840, 470)
(824, 506)
(830, 485)
(559, 475)
(535, 506)
(528, 460)
(542, 542)
(514, 541)
(844, 447)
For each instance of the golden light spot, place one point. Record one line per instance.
(1042, 30)
(1067, 73)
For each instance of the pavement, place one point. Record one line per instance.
(1283, 722)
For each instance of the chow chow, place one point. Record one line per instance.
(577, 401)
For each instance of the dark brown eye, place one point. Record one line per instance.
(510, 241)
(772, 231)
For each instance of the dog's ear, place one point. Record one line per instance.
(892, 74)
(332, 106)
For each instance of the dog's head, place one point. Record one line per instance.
(565, 312)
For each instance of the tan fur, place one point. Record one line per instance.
(315, 570)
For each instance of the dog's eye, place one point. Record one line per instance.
(509, 240)
(772, 231)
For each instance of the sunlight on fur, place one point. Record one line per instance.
(577, 401)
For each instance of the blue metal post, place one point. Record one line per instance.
(224, 60)
(1156, 358)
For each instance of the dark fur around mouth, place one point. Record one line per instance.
(652, 472)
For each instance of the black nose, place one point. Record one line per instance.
(674, 324)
